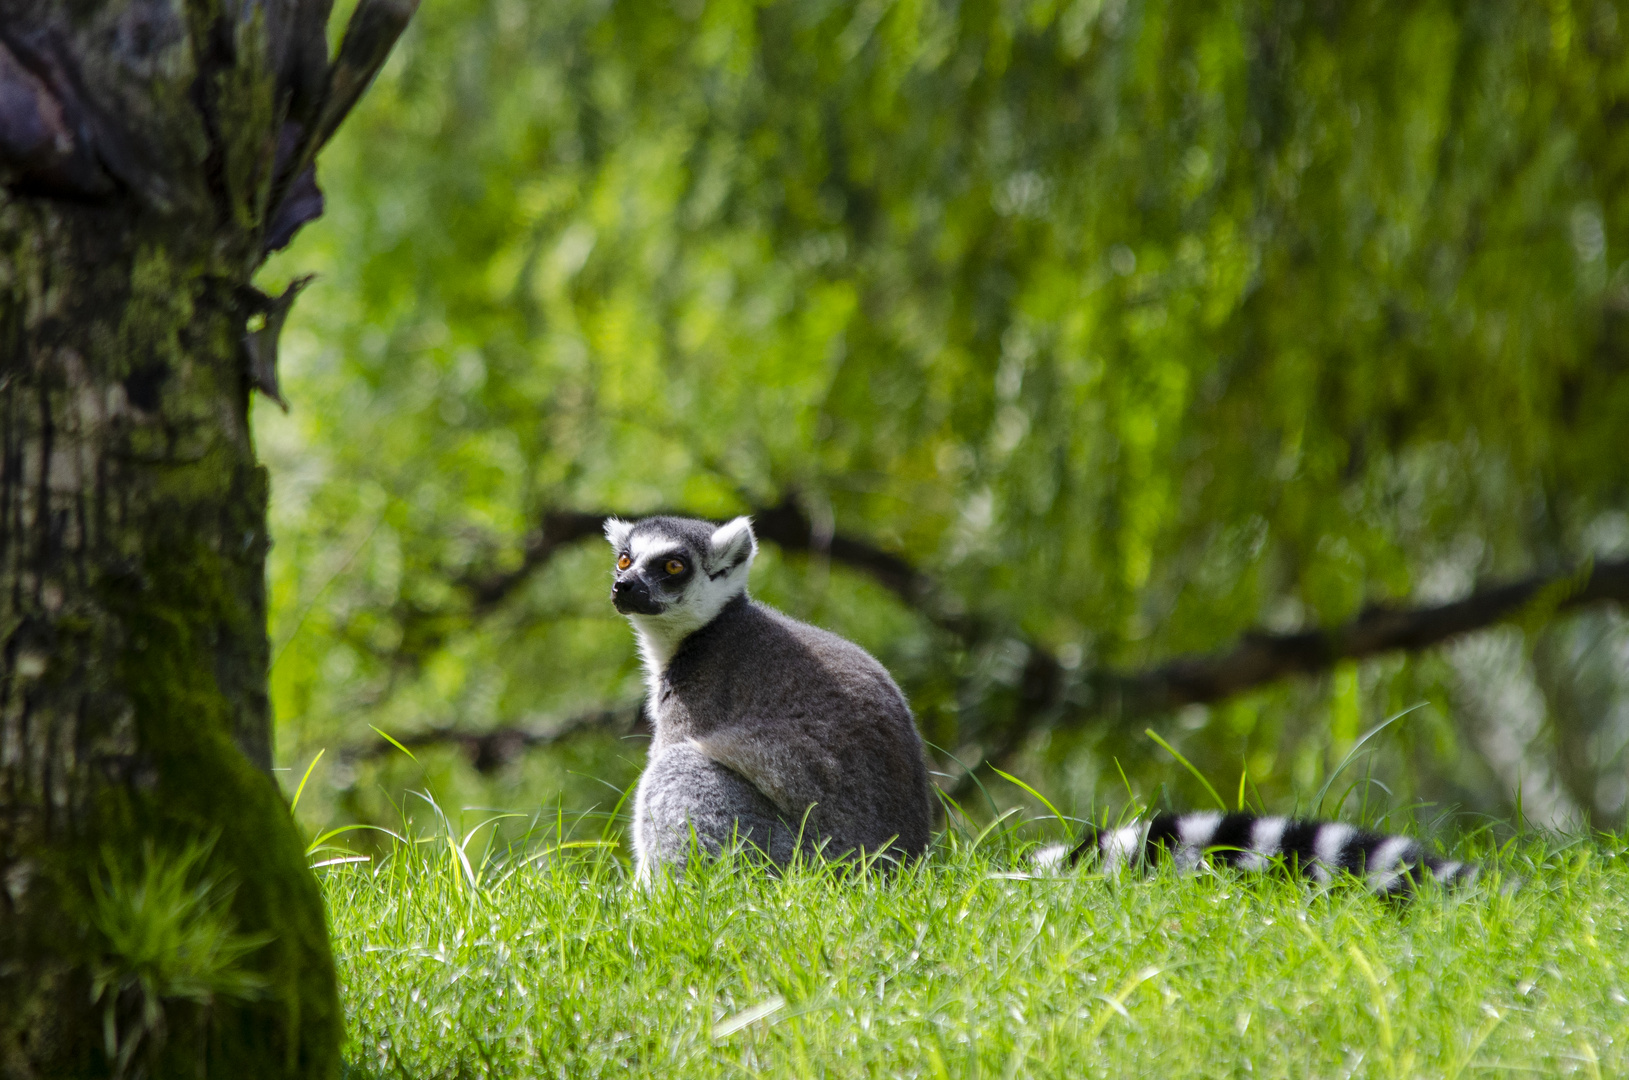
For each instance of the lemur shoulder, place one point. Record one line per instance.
(768, 732)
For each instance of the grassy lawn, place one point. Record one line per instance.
(549, 964)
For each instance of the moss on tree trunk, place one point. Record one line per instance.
(156, 913)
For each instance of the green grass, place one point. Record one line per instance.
(548, 963)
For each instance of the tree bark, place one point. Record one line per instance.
(151, 153)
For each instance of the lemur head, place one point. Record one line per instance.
(673, 575)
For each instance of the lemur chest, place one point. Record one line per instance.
(675, 717)
(681, 710)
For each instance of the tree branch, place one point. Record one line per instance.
(785, 525)
(369, 36)
(1258, 658)
(38, 141)
(1255, 659)
(559, 528)
(489, 751)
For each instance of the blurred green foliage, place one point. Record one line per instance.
(1136, 324)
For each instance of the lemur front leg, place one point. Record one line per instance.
(687, 801)
(787, 770)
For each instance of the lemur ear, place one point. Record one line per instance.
(733, 545)
(616, 531)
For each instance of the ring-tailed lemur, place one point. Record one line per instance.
(768, 731)
(1387, 864)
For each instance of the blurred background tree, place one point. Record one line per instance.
(1070, 336)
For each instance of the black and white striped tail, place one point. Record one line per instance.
(1388, 864)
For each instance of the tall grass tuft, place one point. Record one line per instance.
(163, 934)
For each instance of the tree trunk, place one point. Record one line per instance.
(156, 913)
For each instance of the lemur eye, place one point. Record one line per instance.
(624, 562)
(675, 566)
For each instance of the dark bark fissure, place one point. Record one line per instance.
(141, 185)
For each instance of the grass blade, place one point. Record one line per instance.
(1117, 1003)
(386, 736)
(323, 838)
(1197, 775)
(988, 829)
(1044, 800)
(611, 819)
(301, 789)
(462, 860)
(970, 774)
(1318, 803)
(750, 1015)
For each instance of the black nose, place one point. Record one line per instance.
(631, 595)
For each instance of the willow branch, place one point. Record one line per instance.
(1048, 698)
(1255, 659)
(785, 525)
(489, 751)
(1259, 658)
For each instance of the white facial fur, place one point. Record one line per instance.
(721, 577)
